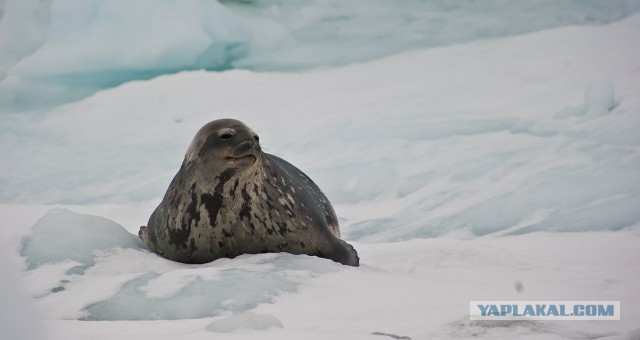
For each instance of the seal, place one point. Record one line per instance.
(230, 198)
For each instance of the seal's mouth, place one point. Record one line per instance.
(246, 152)
(248, 159)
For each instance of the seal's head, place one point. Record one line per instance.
(226, 141)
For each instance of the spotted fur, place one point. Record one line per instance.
(230, 198)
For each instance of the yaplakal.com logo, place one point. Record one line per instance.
(544, 310)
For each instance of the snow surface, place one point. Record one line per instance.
(538, 132)
(418, 288)
(19, 319)
(505, 169)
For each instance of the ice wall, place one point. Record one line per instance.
(337, 32)
(52, 52)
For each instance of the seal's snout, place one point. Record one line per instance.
(245, 148)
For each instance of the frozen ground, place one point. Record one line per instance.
(521, 155)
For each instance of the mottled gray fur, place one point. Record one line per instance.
(230, 198)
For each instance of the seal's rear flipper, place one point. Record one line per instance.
(354, 259)
(345, 253)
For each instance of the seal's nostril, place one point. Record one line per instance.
(242, 149)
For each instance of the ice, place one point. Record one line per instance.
(333, 32)
(62, 235)
(461, 140)
(53, 52)
(208, 290)
(91, 45)
(397, 287)
(69, 250)
(31, 32)
(498, 169)
(599, 99)
(244, 321)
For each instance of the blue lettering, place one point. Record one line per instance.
(528, 311)
(559, 310)
(605, 311)
(493, 310)
(553, 310)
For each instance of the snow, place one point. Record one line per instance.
(503, 169)
(19, 319)
(247, 320)
(470, 134)
(418, 288)
(155, 289)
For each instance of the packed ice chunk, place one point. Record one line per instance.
(62, 235)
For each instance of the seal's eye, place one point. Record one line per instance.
(226, 133)
(256, 138)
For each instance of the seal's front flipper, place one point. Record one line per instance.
(144, 234)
